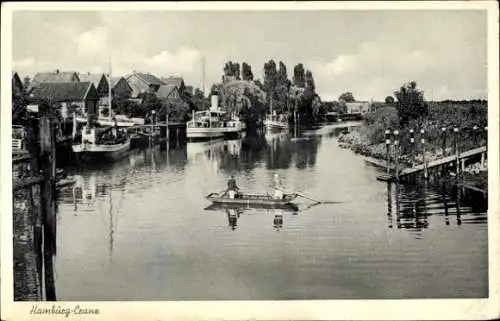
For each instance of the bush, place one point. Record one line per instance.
(379, 121)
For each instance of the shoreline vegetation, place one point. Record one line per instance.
(469, 117)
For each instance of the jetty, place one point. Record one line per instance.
(457, 160)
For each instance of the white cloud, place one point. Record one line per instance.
(378, 69)
(93, 43)
(182, 61)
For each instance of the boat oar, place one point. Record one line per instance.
(316, 201)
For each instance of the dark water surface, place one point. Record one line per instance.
(140, 229)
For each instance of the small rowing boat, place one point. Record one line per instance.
(252, 199)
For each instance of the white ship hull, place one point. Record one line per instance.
(204, 133)
(108, 122)
(107, 152)
(273, 124)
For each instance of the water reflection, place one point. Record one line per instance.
(278, 222)
(412, 205)
(148, 215)
(234, 212)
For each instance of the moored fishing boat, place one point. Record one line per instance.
(101, 143)
(119, 120)
(252, 198)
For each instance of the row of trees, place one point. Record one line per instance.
(252, 98)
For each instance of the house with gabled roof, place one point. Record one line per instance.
(120, 87)
(170, 92)
(143, 83)
(189, 90)
(17, 84)
(175, 81)
(54, 77)
(68, 97)
(100, 82)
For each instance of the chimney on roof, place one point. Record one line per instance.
(57, 71)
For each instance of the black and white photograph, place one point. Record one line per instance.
(197, 154)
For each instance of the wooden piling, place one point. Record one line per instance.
(387, 154)
(412, 146)
(422, 132)
(457, 152)
(48, 165)
(396, 152)
(168, 127)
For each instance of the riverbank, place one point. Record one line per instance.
(475, 176)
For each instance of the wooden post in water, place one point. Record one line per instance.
(396, 152)
(152, 129)
(422, 140)
(412, 145)
(457, 152)
(168, 127)
(443, 147)
(48, 165)
(483, 155)
(387, 154)
(474, 133)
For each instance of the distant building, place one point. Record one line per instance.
(168, 92)
(54, 77)
(359, 107)
(189, 90)
(17, 84)
(143, 83)
(68, 97)
(101, 84)
(175, 81)
(120, 87)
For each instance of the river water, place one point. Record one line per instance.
(141, 229)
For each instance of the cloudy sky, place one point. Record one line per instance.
(370, 53)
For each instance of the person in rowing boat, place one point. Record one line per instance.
(231, 187)
(278, 192)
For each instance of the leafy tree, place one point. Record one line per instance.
(246, 71)
(199, 101)
(347, 97)
(282, 87)
(232, 69)
(270, 82)
(411, 103)
(389, 100)
(299, 79)
(259, 83)
(309, 81)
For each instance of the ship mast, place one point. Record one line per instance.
(109, 88)
(203, 84)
